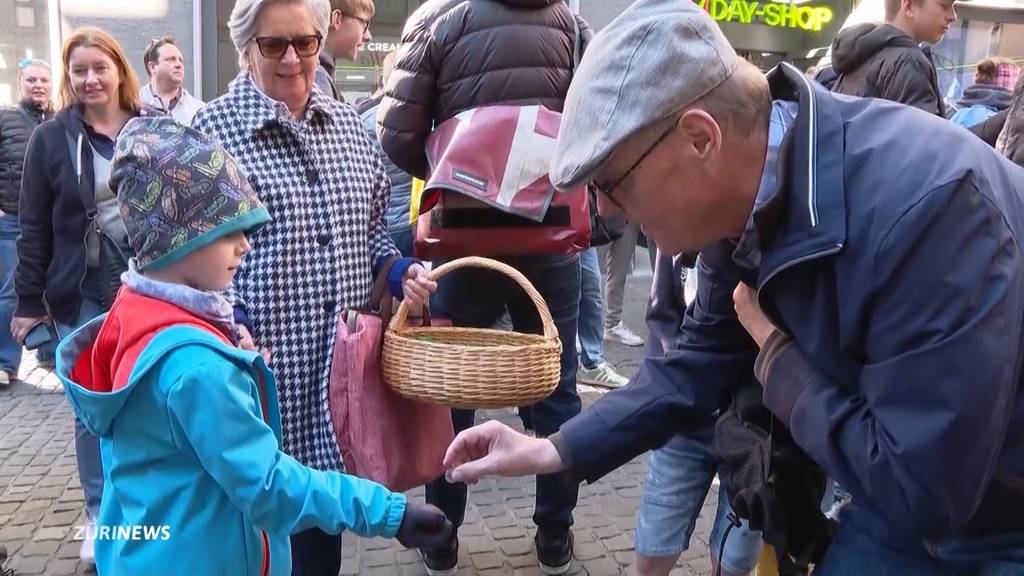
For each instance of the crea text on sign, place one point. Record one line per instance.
(811, 18)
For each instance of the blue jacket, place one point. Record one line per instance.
(891, 257)
(190, 437)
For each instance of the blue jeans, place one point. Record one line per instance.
(10, 351)
(591, 322)
(316, 553)
(679, 475)
(866, 544)
(478, 298)
(403, 241)
(87, 446)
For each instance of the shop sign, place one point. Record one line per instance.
(774, 14)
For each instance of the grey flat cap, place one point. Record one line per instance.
(657, 57)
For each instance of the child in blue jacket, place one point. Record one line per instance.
(190, 434)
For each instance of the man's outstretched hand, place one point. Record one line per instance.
(494, 449)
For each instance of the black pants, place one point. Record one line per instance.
(477, 298)
(316, 553)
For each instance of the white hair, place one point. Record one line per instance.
(242, 24)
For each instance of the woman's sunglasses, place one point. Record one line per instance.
(275, 47)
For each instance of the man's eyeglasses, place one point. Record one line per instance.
(610, 189)
(365, 22)
(274, 47)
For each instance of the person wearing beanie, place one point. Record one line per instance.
(189, 423)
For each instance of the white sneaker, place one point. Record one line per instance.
(5, 378)
(623, 335)
(87, 553)
(603, 375)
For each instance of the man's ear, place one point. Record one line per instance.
(336, 18)
(702, 131)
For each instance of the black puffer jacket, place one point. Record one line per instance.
(458, 55)
(16, 125)
(1011, 140)
(882, 61)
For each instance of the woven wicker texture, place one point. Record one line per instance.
(472, 367)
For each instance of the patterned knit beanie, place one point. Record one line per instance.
(179, 191)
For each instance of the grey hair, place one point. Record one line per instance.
(242, 24)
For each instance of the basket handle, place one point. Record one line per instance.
(550, 332)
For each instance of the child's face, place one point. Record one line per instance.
(213, 267)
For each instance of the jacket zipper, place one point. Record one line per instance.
(820, 254)
(265, 571)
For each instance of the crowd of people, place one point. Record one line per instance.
(852, 321)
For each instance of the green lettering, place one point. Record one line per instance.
(749, 9)
(735, 11)
(824, 16)
(771, 13)
(719, 8)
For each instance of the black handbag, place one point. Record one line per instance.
(772, 483)
(114, 253)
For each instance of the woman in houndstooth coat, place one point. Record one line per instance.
(310, 161)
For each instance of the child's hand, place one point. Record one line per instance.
(424, 526)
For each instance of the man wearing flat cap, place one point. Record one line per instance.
(860, 261)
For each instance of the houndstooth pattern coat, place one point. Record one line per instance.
(327, 192)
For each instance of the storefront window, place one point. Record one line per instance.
(25, 36)
(969, 42)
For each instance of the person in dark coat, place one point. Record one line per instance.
(16, 126)
(457, 55)
(864, 278)
(887, 61)
(1011, 138)
(989, 95)
(67, 212)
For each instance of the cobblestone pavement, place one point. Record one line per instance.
(41, 501)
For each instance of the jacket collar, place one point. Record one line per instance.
(258, 111)
(807, 219)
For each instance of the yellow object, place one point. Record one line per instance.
(414, 200)
(766, 564)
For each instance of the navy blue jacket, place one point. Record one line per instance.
(891, 256)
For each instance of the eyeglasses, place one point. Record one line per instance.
(275, 47)
(365, 22)
(608, 190)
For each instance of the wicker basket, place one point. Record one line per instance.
(472, 367)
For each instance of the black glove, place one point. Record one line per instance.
(424, 526)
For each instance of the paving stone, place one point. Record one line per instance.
(516, 547)
(376, 558)
(477, 544)
(602, 567)
(500, 521)
(48, 548)
(54, 533)
(62, 567)
(487, 560)
(619, 543)
(30, 517)
(28, 565)
(9, 533)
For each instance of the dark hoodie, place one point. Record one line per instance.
(463, 54)
(882, 61)
(994, 97)
(54, 217)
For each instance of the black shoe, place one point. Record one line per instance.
(554, 553)
(442, 561)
